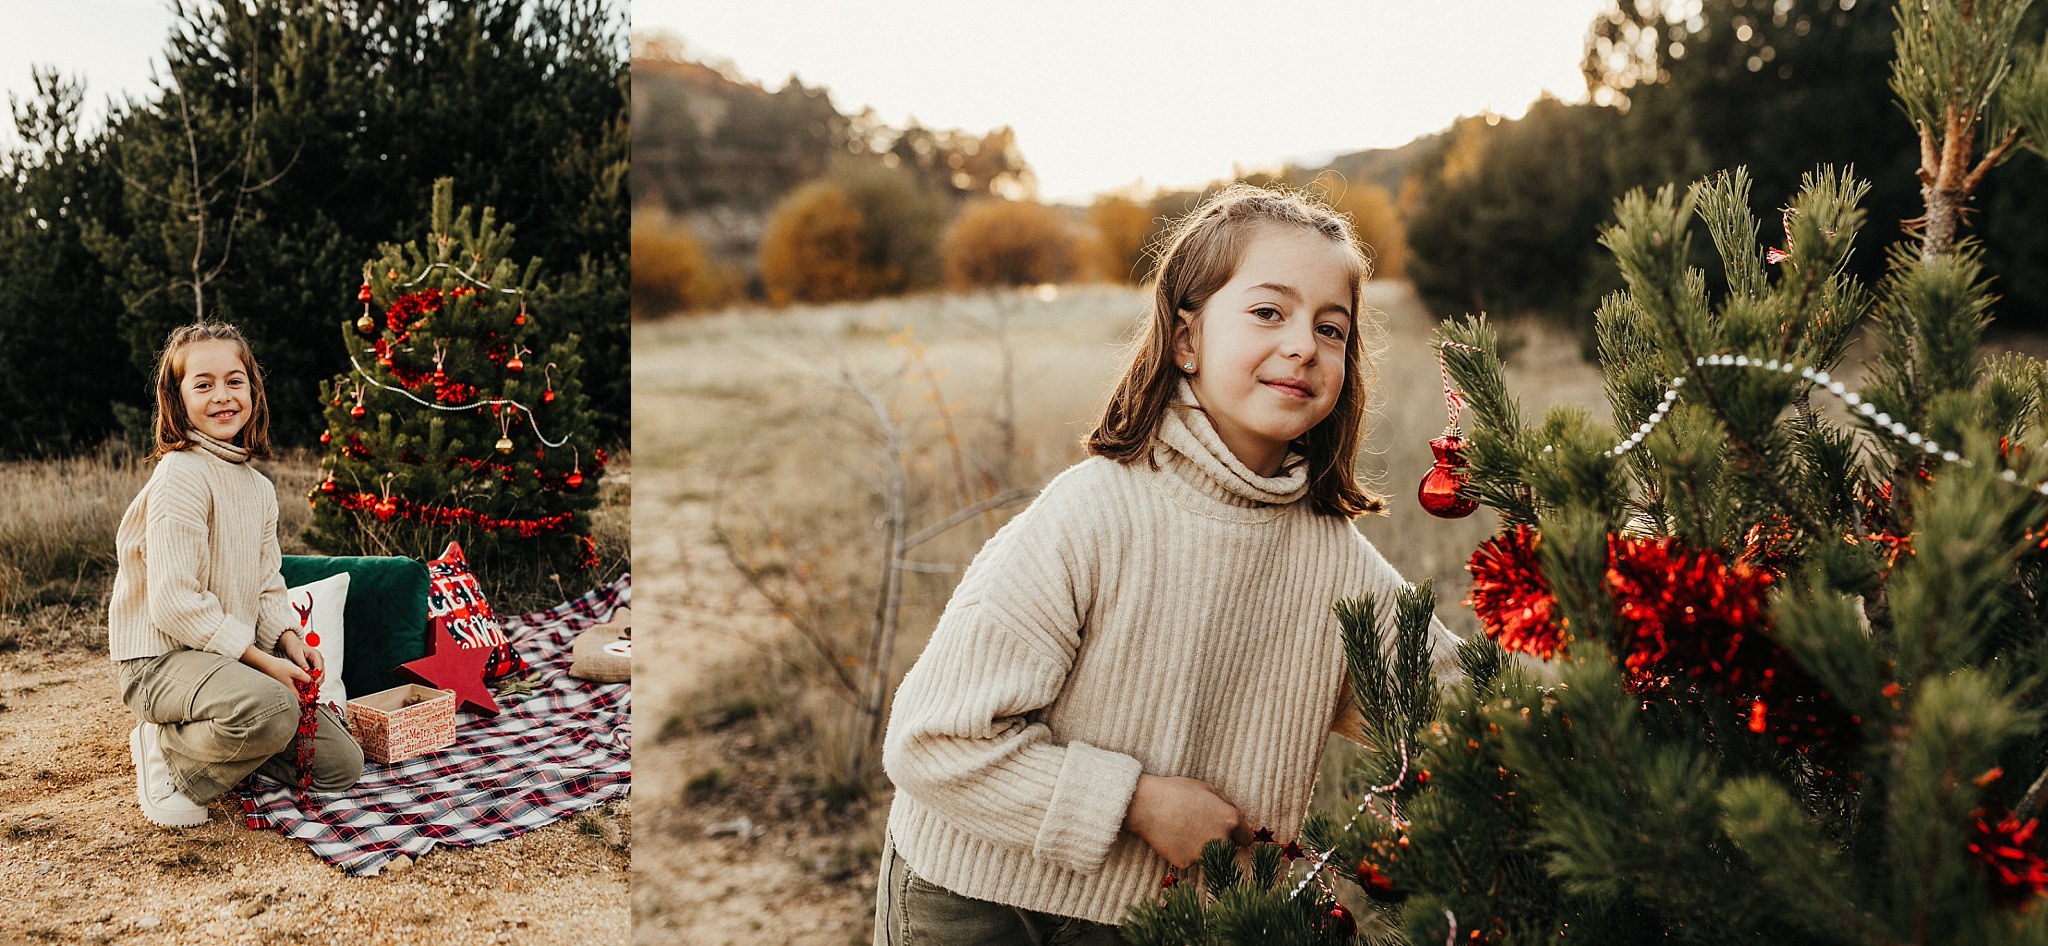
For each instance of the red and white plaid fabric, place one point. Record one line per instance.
(549, 754)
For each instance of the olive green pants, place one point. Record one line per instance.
(223, 719)
(912, 911)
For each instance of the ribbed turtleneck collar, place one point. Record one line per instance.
(1197, 454)
(220, 448)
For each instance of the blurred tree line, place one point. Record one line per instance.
(284, 141)
(1502, 214)
(741, 192)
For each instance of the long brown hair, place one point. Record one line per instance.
(173, 428)
(1201, 252)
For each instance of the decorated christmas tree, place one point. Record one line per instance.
(462, 416)
(1780, 667)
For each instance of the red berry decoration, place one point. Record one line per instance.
(1439, 490)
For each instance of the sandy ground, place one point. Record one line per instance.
(79, 864)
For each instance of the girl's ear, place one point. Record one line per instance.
(1183, 337)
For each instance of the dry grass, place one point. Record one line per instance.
(58, 537)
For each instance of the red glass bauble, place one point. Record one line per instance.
(326, 436)
(519, 319)
(1338, 920)
(514, 364)
(327, 486)
(364, 294)
(575, 479)
(1439, 491)
(357, 411)
(385, 509)
(547, 396)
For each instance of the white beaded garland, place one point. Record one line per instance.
(1880, 419)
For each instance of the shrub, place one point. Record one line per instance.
(1124, 231)
(672, 272)
(1378, 225)
(1006, 243)
(814, 249)
(901, 223)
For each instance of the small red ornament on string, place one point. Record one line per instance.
(575, 478)
(1442, 490)
(1337, 919)
(514, 364)
(548, 396)
(326, 435)
(520, 319)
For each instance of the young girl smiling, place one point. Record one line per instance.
(1145, 659)
(208, 645)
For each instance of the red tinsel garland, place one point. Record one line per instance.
(445, 515)
(309, 726)
(1512, 598)
(1689, 613)
(2009, 853)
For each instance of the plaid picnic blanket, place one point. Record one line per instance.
(548, 754)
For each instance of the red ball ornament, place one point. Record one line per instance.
(547, 396)
(327, 486)
(1439, 490)
(326, 435)
(384, 509)
(363, 295)
(575, 479)
(514, 364)
(312, 638)
(1338, 920)
(519, 319)
(357, 411)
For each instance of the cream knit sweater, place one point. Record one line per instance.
(198, 559)
(1172, 622)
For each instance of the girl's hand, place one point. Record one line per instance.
(296, 651)
(278, 668)
(1176, 816)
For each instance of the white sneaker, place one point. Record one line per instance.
(162, 803)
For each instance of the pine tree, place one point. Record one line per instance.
(463, 415)
(1781, 664)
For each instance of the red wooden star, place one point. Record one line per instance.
(451, 666)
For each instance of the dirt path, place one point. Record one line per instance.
(79, 864)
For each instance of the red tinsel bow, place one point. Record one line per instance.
(1512, 598)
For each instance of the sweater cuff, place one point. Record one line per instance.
(1088, 806)
(230, 638)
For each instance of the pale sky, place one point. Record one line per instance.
(111, 44)
(1105, 95)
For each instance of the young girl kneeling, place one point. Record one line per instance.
(1146, 659)
(208, 645)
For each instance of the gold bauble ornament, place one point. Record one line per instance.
(504, 445)
(366, 325)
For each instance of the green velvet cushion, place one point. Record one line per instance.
(386, 616)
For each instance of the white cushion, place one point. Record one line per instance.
(319, 605)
